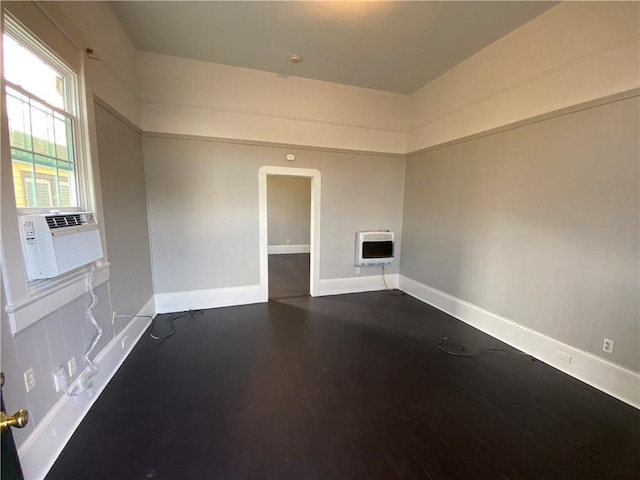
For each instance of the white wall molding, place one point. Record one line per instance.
(256, 143)
(187, 96)
(41, 448)
(314, 175)
(194, 121)
(617, 381)
(598, 102)
(210, 298)
(285, 249)
(499, 85)
(367, 283)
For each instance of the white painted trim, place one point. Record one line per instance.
(41, 448)
(314, 175)
(36, 307)
(259, 143)
(211, 298)
(368, 283)
(613, 379)
(286, 249)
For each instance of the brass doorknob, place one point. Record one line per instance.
(17, 420)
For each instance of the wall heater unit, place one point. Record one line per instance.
(57, 243)
(374, 248)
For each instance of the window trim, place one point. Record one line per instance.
(85, 191)
(29, 301)
(22, 35)
(76, 170)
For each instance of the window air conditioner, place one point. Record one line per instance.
(57, 243)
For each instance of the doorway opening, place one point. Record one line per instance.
(288, 236)
(289, 210)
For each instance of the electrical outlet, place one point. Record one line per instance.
(72, 366)
(29, 379)
(61, 379)
(357, 270)
(565, 357)
(607, 345)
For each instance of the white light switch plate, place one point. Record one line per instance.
(29, 379)
(72, 366)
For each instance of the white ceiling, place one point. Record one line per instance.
(392, 46)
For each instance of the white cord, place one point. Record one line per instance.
(92, 319)
(85, 389)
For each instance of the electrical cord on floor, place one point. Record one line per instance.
(462, 348)
(384, 280)
(172, 328)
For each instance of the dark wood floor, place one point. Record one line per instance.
(344, 387)
(288, 275)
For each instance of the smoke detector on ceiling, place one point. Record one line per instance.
(295, 59)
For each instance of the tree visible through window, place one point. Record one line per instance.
(39, 94)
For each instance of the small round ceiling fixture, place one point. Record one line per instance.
(295, 59)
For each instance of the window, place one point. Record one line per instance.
(40, 94)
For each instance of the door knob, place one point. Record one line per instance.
(17, 420)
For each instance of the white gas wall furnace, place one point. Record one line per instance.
(374, 248)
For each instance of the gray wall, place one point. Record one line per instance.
(66, 333)
(538, 224)
(203, 208)
(288, 210)
(46, 345)
(124, 202)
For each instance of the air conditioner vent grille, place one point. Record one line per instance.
(69, 220)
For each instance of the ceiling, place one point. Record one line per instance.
(392, 46)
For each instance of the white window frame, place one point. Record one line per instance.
(28, 40)
(29, 301)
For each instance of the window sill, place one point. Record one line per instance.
(34, 308)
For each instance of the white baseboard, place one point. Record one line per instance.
(280, 249)
(611, 378)
(369, 283)
(41, 448)
(211, 298)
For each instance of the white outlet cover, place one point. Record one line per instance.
(564, 356)
(29, 379)
(60, 379)
(607, 345)
(72, 367)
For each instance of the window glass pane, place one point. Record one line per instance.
(42, 142)
(41, 130)
(22, 163)
(30, 72)
(61, 126)
(19, 120)
(65, 194)
(41, 192)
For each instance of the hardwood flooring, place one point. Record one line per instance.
(344, 387)
(288, 275)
